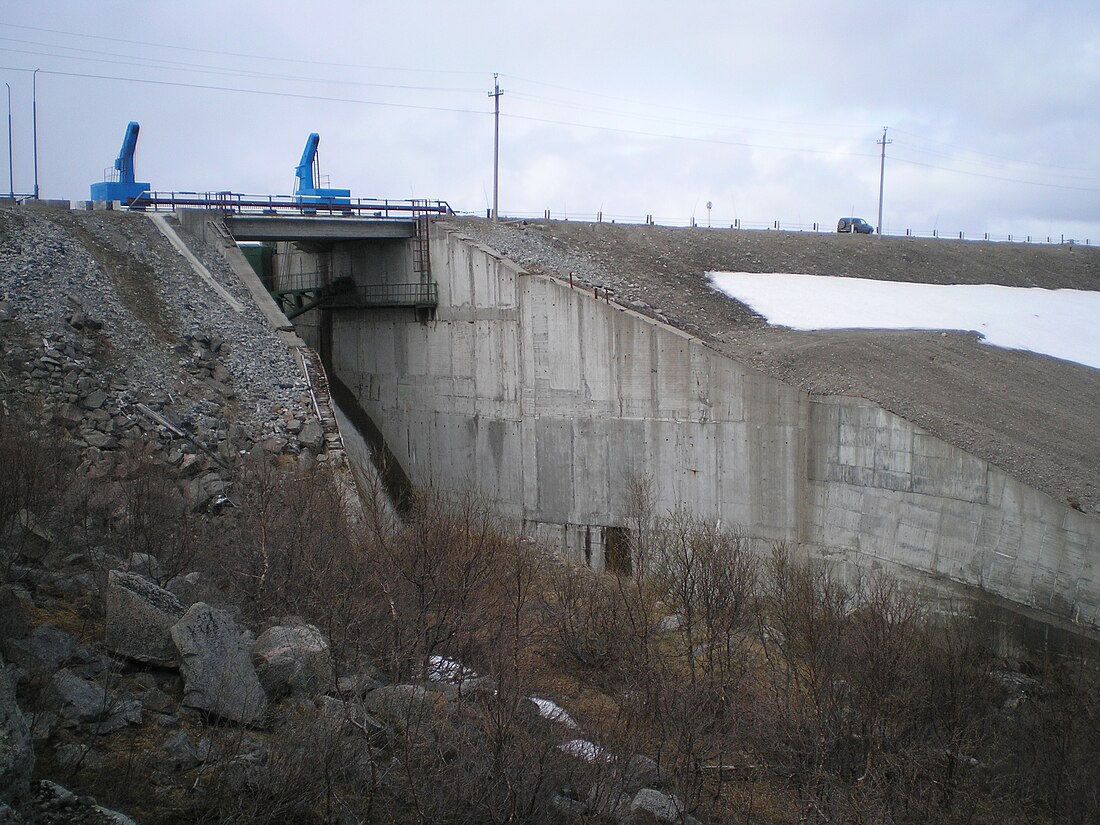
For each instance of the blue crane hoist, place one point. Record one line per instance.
(125, 189)
(307, 190)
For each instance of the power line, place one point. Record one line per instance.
(648, 105)
(173, 65)
(529, 118)
(691, 138)
(658, 119)
(996, 177)
(247, 56)
(987, 154)
(266, 92)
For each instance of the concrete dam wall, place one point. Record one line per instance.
(549, 399)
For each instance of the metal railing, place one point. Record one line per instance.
(826, 227)
(419, 295)
(241, 204)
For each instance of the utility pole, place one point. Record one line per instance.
(881, 177)
(495, 94)
(34, 125)
(11, 173)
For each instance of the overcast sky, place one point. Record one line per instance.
(768, 110)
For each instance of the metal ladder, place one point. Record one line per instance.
(422, 264)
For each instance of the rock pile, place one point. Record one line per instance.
(110, 335)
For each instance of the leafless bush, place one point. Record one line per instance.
(707, 577)
(35, 470)
(586, 617)
(438, 576)
(154, 518)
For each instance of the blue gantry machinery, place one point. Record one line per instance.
(124, 188)
(308, 192)
(309, 197)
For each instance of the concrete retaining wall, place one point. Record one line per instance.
(548, 400)
(884, 492)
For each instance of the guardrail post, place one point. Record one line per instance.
(599, 216)
(934, 235)
(960, 236)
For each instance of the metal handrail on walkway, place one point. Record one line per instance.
(236, 203)
(419, 295)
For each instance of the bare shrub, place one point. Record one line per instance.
(585, 617)
(35, 470)
(289, 547)
(155, 519)
(707, 578)
(1051, 743)
(437, 577)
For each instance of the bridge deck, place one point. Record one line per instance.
(283, 228)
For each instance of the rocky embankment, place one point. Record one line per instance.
(116, 350)
(104, 324)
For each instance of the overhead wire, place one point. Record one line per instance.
(996, 177)
(246, 55)
(266, 92)
(988, 154)
(171, 65)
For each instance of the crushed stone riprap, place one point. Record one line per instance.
(102, 321)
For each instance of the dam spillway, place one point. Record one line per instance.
(548, 398)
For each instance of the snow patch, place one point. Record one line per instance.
(442, 669)
(554, 712)
(1061, 323)
(583, 749)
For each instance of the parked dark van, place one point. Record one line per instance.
(855, 225)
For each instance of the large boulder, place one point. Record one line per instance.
(404, 704)
(30, 537)
(46, 650)
(13, 618)
(196, 587)
(651, 805)
(218, 675)
(16, 750)
(293, 660)
(75, 700)
(140, 617)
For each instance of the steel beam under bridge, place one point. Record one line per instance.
(278, 228)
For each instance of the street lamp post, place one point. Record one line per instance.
(34, 125)
(11, 167)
